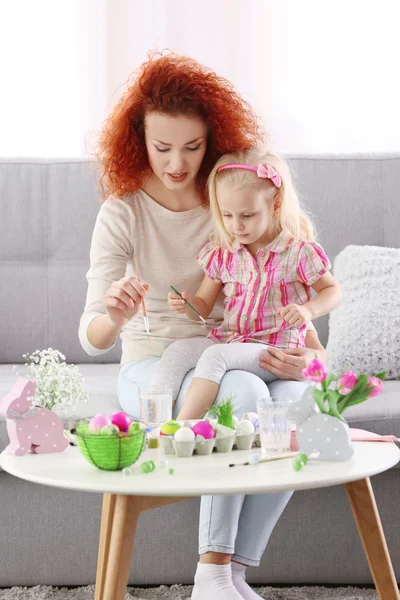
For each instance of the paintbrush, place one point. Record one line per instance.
(188, 303)
(145, 317)
(265, 459)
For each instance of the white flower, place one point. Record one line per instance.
(58, 385)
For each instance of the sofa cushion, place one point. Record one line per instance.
(101, 384)
(364, 329)
(380, 414)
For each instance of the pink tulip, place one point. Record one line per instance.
(375, 386)
(316, 371)
(346, 383)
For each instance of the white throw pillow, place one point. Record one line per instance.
(364, 331)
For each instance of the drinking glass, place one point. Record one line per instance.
(155, 404)
(274, 424)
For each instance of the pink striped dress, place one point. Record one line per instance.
(257, 287)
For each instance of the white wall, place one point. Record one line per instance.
(321, 73)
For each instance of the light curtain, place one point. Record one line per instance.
(322, 75)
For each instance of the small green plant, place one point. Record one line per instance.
(223, 411)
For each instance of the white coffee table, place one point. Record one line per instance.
(125, 497)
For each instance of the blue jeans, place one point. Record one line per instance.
(238, 525)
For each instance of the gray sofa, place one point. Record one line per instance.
(50, 536)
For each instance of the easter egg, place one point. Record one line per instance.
(110, 429)
(184, 434)
(169, 428)
(121, 420)
(134, 428)
(244, 427)
(223, 431)
(205, 429)
(97, 422)
(253, 418)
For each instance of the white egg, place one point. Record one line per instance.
(184, 434)
(244, 427)
(252, 417)
(222, 431)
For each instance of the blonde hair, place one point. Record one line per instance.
(290, 217)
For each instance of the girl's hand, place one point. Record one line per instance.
(176, 303)
(122, 300)
(296, 314)
(287, 364)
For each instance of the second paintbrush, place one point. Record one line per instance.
(188, 303)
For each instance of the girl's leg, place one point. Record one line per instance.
(178, 359)
(215, 361)
(239, 527)
(249, 548)
(220, 515)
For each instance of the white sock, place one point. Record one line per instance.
(214, 582)
(239, 581)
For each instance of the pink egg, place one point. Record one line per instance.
(97, 422)
(121, 420)
(205, 429)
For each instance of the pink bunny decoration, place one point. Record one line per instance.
(30, 428)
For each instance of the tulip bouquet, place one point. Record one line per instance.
(333, 394)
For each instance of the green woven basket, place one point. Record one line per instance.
(109, 452)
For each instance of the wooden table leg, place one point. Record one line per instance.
(107, 516)
(366, 515)
(118, 527)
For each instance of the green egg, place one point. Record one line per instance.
(134, 428)
(170, 427)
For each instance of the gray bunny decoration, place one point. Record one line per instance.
(319, 432)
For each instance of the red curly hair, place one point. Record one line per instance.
(174, 85)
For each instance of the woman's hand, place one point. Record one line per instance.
(289, 363)
(122, 300)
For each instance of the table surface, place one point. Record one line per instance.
(200, 475)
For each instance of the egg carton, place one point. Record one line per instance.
(205, 447)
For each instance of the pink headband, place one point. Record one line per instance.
(263, 171)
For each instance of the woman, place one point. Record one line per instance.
(156, 150)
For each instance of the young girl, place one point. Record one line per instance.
(264, 258)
